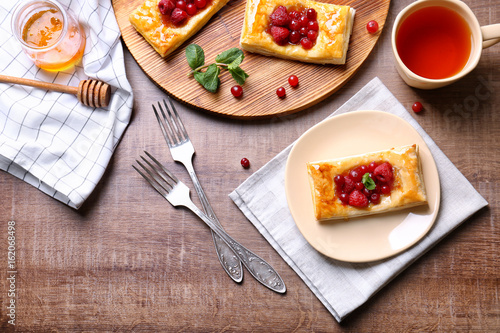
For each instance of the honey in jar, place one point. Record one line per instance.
(49, 34)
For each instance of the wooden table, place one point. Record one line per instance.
(128, 261)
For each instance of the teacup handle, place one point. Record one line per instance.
(491, 34)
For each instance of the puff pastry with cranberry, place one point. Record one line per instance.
(166, 32)
(366, 184)
(329, 42)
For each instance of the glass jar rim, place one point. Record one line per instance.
(31, 5)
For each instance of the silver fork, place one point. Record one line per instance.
(177, 193)
(182, 150)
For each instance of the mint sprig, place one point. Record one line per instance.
(209, 79)
(368, 182)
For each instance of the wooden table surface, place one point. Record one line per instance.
(128, 261)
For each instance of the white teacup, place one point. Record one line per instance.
(482, 37)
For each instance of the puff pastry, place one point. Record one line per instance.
(408, 188)
(335, 27)
(165, 37)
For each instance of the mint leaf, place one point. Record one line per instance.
(195, 56)
(236, 62)
(238, 74)
(200, 77)
(230, 55)
(211, 79)
(368, 182)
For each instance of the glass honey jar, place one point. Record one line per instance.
(49, 34)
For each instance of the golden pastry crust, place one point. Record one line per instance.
(165, 38)
(408, 188)
(335, 27)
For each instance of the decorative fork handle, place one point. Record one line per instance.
(228, 260)
(258, 267)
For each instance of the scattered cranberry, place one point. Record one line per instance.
(372, 166)
(417, 107)
(237, 91)
(281, 92)
(245, 163)
(293, 80)
(372, 26)
(294, 37)
(303, 21)
(344, 197)
(359, 186)
(356, 176)
(294, 25)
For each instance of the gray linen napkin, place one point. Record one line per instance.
(340, 286)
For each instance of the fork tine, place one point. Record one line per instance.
(169, 174)
(173, 139)
(162, 126)
(178, 120)
(172, 128)
(153, 183)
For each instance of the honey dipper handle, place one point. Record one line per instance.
(39, 84)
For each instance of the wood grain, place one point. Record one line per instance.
(129, 262)
(317, 82)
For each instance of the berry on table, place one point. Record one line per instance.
(417, 107)
(237, 91)
(281, 92)
(293, 80)
(372, 26)
(245, 163)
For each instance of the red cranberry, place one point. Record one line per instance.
(191, 9)
(385, 189)
(363, 169)
(375, 198)
(367, 192)
(293, 80)
(294, 25)
(294, 14)
(311, 14)
(417, 107)
(200, 4)
(313, 25)
(339, 180)
(359, 186)
(245, 163)
(178, 16)
(281, 92)
(303, 21)
(294, 37)
(303, 31)
(306, 43)
(312, 35)
(372, 26)
(372, 166)
(237, 91)
(344, 197)
(355, 175)
(181, 4)
(166, 7)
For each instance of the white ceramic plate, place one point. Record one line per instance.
(369, 238)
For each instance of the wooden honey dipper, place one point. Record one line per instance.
(91, 93)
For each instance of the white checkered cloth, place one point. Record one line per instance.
(49, 139)
(340, 286)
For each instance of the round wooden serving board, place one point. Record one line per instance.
(259, 99)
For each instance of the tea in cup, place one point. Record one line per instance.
(437, 42)
(49, 34)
